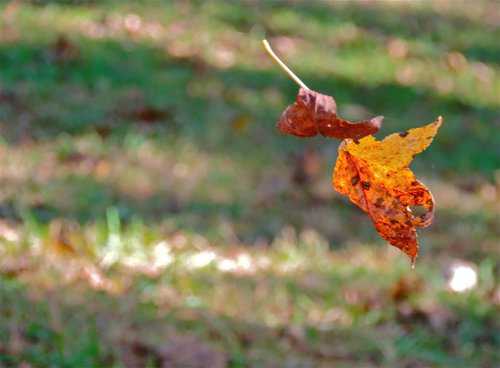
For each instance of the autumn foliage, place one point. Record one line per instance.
(373, 174)
(314, 113)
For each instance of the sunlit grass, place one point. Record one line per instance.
(297, 286)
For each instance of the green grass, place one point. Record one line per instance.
(94, 196)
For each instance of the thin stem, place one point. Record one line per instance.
(287, 70)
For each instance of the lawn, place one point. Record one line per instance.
(151, 215)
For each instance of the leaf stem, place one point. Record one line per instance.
(287, 70)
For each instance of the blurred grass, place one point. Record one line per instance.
(136, 132)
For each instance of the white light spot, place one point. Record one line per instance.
(201, 259)
(463, 277)
(243, 263)
(227, 265)
(162, 255)
(9, 233)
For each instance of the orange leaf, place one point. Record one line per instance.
(375, 176)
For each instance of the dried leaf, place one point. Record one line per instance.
(60, 239)
(240, 123)
(314, 113)
(12, 268)
(375, 176)
(150, 114)
(64, 51)
(405, 287)
(136, 353)
(306, 167)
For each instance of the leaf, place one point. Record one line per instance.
(306, 167)
(375, 176)
(64, 51)
(314, 113)
(149, 114)
(240, 123)
(405, 287)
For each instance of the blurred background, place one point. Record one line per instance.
(152, 216)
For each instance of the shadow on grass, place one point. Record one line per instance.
(94, 92)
